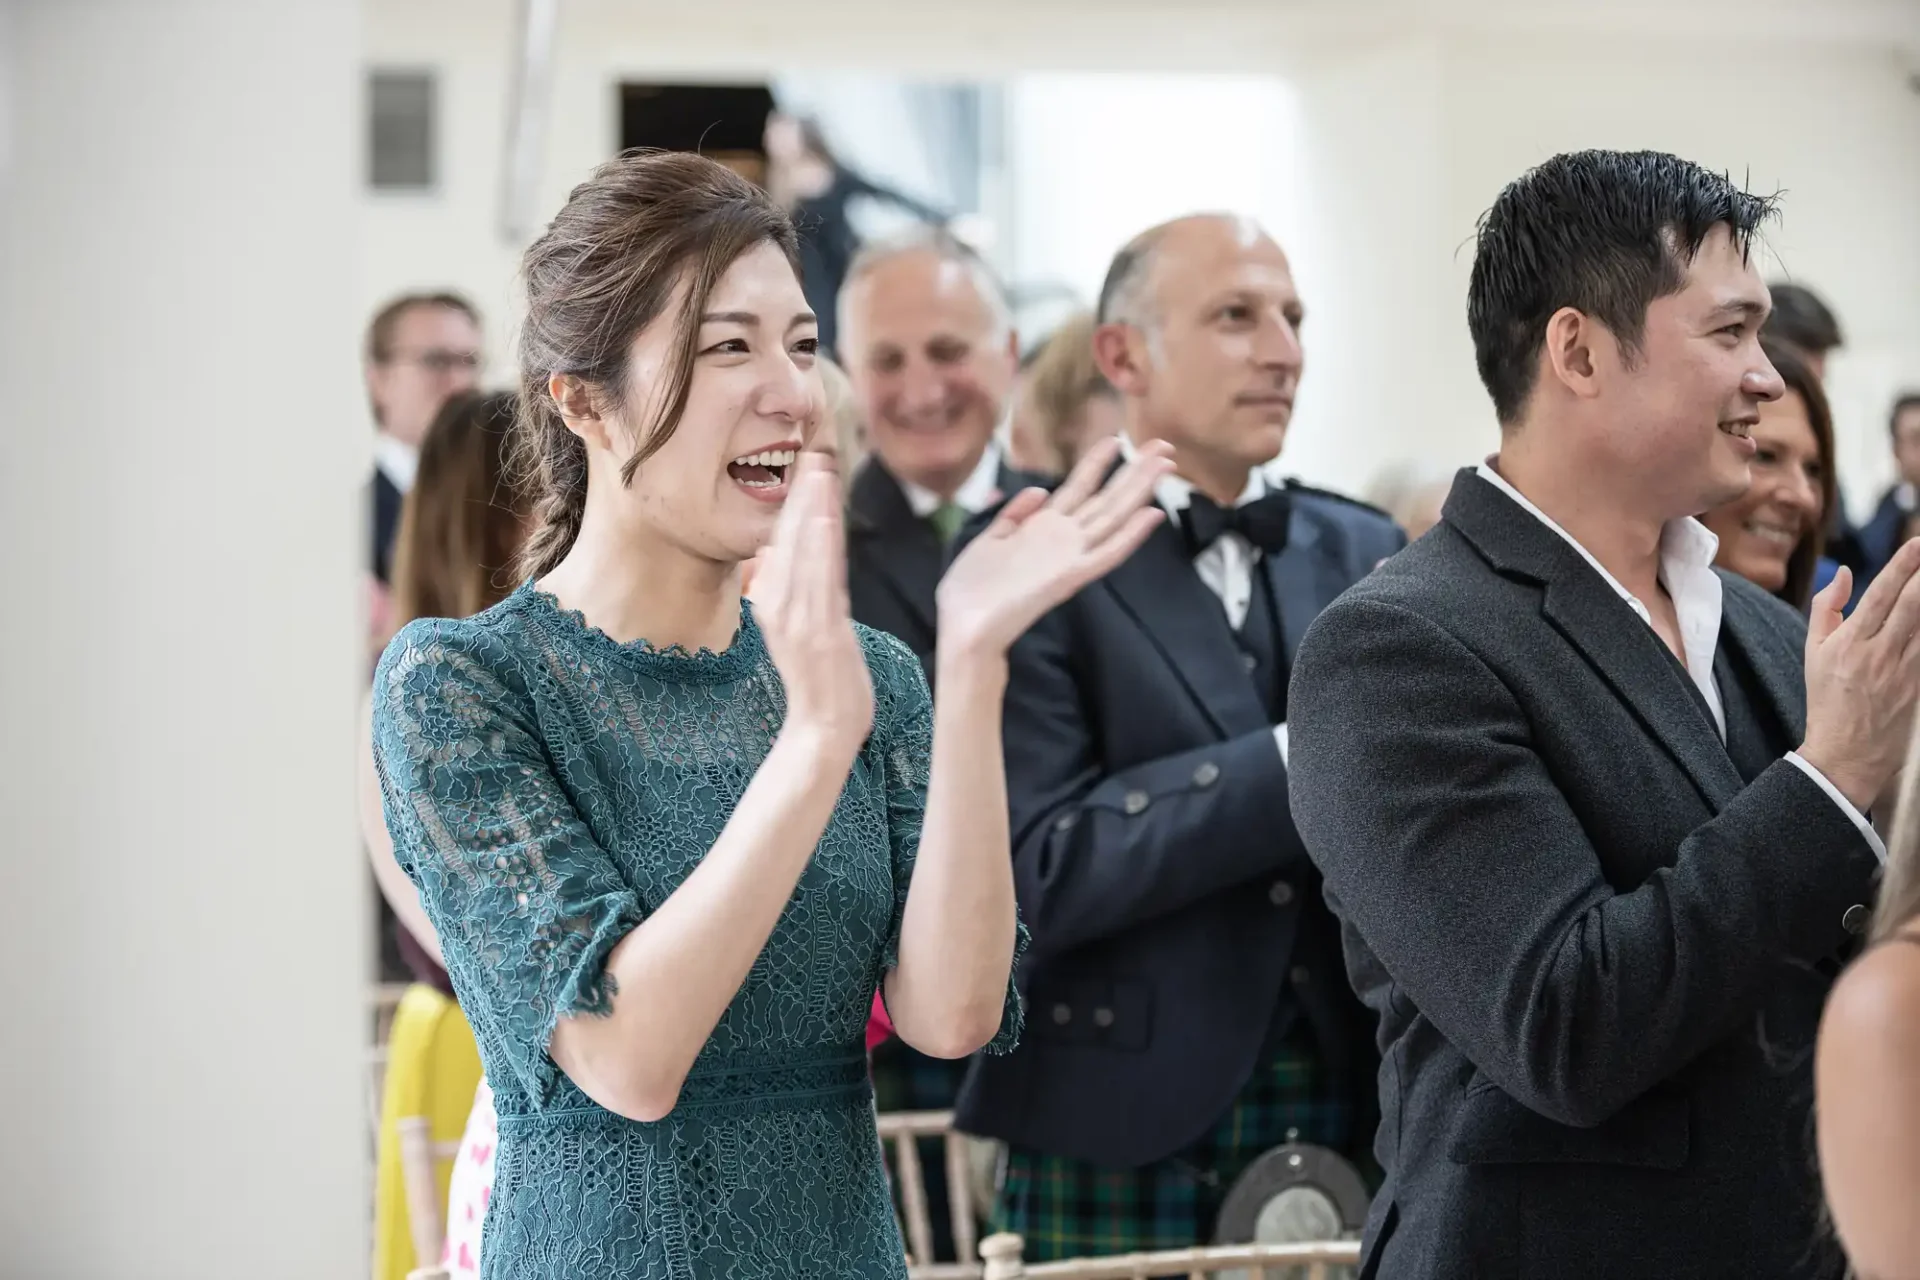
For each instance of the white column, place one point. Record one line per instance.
(182, 923)
(1385, 333)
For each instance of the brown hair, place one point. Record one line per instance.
(1805, 560)
(849, 438)
(387, 319)
(605, 269)
(463, 520)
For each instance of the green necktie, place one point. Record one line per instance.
(946, 521)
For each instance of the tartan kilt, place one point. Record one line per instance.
(1070, 1209)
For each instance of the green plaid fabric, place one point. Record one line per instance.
(1068, 1209)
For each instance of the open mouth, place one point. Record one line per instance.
(1740, 431)
(764, 474)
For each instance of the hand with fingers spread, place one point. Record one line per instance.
(799, 595)
(1042, 548)
(1862, 675)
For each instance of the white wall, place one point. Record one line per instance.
(182, 962)
(1836, 131)
(1096, 157)
(1373, 135)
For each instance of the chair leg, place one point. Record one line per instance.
(425, 1216)
(1001, 1252)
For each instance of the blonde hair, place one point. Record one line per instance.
(1055, 390)
(845, 434)
(1899, 903)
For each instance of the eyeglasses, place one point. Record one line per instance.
(443, 362)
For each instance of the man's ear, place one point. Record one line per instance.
(1120, 350)
(1576, 348)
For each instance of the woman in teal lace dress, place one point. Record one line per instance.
(672, 842)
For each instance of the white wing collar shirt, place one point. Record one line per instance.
(1226, 564)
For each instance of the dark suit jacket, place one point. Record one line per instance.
(1598, 956)
(383, 503)
(894, 558)
(1170, 901)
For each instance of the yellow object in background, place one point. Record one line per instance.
(433, 1068)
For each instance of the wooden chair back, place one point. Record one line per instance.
(1001, 1254)
(899, 1133)
(420, 1156)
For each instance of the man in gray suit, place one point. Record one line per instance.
(1595, 838)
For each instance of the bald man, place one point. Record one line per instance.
(1187, 1005)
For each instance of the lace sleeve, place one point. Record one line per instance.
(904, 713)
(526, 902)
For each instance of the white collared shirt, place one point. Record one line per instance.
(396, 461)
(1687, 548)
(980, 490)
(1225, 565)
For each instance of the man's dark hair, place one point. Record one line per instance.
(1604, 232)
(1903, 404)
(1801, 320)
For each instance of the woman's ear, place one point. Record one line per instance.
(574, 398)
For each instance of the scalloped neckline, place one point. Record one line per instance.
(673, 659)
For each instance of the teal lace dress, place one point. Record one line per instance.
(546, 788)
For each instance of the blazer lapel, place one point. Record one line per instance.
(1773, 658)
(1304, 577)
(1158, 587)
(902, 546)
(1593, 618)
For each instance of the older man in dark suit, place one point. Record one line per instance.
(1595, 837)
(929, 349)
(1188, 1010)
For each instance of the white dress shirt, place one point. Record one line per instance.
(980, 490)
(1687, 548)
(396, 461)
(1226, 565)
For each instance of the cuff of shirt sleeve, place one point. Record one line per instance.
(1280, 737)
(1858, 818)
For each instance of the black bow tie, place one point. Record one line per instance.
(1263, 522)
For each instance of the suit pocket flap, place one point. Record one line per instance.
(1652, 1133)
